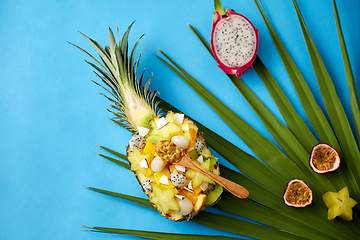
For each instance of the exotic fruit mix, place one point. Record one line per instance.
(177, 192)
(158, 141)
(234, 41)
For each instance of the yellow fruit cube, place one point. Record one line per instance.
(149, 148)
(158, 175)
(200, 202)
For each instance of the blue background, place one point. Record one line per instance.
(52, 116)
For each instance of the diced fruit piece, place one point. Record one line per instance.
(339, 204)
(147, 121)
(146, 185)
(197, 190)
(213, 194)
(164, 198)
(135, 158)
(160, 123)
(185, 205)
(180, 168)
(169, 130)
(137, 141)
(149, 172)
(170, 117)
(200, 202)
(200, 159)
(193, 154)
(143, 131)
(297, 194)
(143, 163)
(175, 167)
(192, 196)
(149, 148)
(179, 118)
(213, 161)
(206, 152)
(204, 186)
(154, 139)
(190, 132)
(158, 176)
(157, 164)
(180, 141)
(164, 180)
(199, 145)
(178, 179)
(172, 168)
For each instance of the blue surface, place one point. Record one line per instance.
(52, 116)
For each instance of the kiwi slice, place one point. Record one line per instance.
(213, 194)
(147, 121)
(154, 139)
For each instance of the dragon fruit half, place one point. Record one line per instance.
(234, 42)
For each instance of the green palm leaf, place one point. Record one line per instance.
(336, 113)
(315, 213)
(312, 109)
(266, 174)
(153, 235)
(354, 99)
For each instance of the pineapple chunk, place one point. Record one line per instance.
(164, 198)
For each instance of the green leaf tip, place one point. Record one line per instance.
(219, 7)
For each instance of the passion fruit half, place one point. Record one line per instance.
(297, 194)
(324, 158)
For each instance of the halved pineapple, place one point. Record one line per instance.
(136, 110)
(172, 182)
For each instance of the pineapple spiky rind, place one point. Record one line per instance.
(130, 98)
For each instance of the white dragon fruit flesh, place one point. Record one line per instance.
(146, 185)
(234, 42)
(137, 141)
(199, 145)
(177, 179)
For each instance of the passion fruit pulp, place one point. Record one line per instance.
(297, 194)
(324, 158)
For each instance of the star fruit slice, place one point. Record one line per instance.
(164, 198)
(339, 204)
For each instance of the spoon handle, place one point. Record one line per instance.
(232, 187)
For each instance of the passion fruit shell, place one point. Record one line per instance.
(297, 194)
(324, 158)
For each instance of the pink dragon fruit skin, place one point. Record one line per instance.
(234, 59)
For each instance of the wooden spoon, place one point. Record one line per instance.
(235, 189)
(183, 160)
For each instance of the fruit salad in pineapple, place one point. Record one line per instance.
(176, 192)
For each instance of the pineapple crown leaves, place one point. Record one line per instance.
(119, 71)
